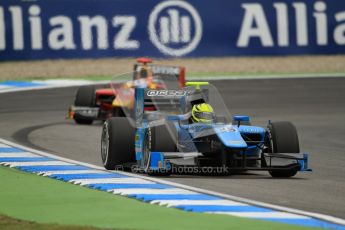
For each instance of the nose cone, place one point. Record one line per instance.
(231, 137)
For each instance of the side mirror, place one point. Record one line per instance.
(240, 119)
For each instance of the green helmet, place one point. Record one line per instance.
(202, 113)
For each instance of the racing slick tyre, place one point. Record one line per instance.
(284, 139)
(164, 138)
(117, 143)
(161, 138)
(118, 112)
(85, 97)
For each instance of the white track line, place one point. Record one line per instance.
(226, 196)
(48, 173)
(4, 87)
(152, 191)
(18, 155)
(273, 215)
(125, 180)
(3, 145)
(266, 76)
(34, 163)
(14, 89)
(172, 203)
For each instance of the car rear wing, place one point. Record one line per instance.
(164, 101)
(165, 73)
(168, 101)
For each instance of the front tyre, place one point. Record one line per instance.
(117, 142)
(161, 138)
(284, 139)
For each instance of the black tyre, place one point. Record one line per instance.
(81, 120)
(85, 97)
(164, 138)
(284, 139)
(117, 144)
(161, 138)
(118, 112)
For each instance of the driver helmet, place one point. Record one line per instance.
(203, 113)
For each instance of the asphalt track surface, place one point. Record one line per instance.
(316, 106)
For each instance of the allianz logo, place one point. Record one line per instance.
(256, 25)
(62, 32)
(170, 26)
(174, 27)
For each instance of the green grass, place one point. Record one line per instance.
(9, 223)
(30, 197)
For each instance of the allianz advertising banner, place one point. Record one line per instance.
(40, 29)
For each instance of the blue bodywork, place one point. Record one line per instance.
(229, 135)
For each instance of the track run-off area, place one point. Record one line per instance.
(315, 105)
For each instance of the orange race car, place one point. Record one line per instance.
(94, 103)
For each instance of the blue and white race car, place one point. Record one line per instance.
(162, 135)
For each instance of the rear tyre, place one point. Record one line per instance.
(284, 139)
(117, 143)
(161, 138)
(118, 112)
(85, 97)
(82, 121)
